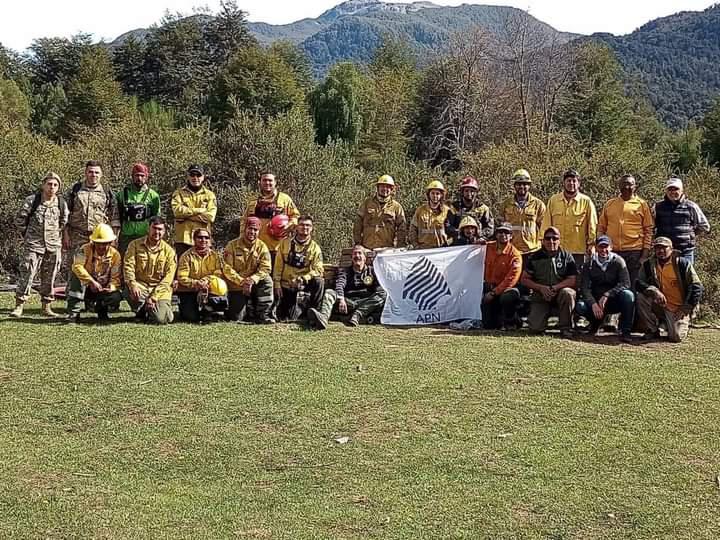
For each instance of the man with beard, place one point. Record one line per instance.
(468, 205)
(96, 273)
(137, 203)
(149, 269)
(573, 214)
(525, 213)
(42, 219)
(680, 219)
(357, 294)
(551, 275)
(628, 222)
(669, 290)
(194, 207)
(298, 269)
(201, 275)
(428, 225)
(380, 221)
(270, 203)
(249, 257)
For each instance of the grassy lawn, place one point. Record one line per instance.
(228, 431)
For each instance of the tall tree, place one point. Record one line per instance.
(14, 105)
(254, 80)
(596, 108)
(298, 61)
(49, 104)
(56, 60)
(711, 133)
(339, 104)
(227, 33)
(94, 96)
(129, 62)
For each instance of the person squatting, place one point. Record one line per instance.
(632, 261)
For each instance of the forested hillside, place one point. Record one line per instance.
(675, 59)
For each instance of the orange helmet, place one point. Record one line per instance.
(278, 226)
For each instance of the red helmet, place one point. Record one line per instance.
(278, 226)
(468, 181)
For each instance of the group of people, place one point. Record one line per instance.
(630, 260)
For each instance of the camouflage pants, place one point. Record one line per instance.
(161, 314)
(77, 240)
(48, 264)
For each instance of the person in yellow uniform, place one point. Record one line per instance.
(298, 275)
(201, 295)
(669, 290)
(525, 213)
(380, 221)
(269, 203)
(250, 258)
(194, 206)
(96, 276)
(149, 269)
(574, 215)
(629, 223)
(428, 227)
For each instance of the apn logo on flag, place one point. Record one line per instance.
(431, 286)
(426, 285)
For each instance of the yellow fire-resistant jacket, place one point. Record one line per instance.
(248, 260)
(282, 204)
(284, 274)
(151, 269)
(427, 228)
(89, 265)
(526, 223)
(380, 225)
(192, 267)
(189, 208)
(576, 219)
(629, 224)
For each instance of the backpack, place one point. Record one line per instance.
(109, 198)
(37, 200)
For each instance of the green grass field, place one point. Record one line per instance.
(228, 431)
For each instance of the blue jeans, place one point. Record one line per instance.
(622, 303)
(689, 254)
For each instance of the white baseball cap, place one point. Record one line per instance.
(674, 182)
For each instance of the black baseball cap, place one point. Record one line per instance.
(195, 168)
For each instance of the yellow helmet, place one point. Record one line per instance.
(217, 287)
(386, 179)
(435, 184)
(467, 221)
(102, 234)
(520, 175)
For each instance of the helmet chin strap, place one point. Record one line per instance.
(382, 199)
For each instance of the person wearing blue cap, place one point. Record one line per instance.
(605, 289)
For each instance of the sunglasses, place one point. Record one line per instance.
(195, 174)
(202, 238)
(552, 238)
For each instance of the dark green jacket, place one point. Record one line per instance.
(692, 289)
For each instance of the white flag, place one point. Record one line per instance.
(430, 286)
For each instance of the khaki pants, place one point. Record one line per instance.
(563, 303)
(651, 314)
(48, 263)
(161, 314)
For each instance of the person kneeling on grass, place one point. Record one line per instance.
(149, 269)
(95, 276)
(202, 289)
(250, 258)
(605, 289)
(298, 273)
(669, 290)
(551, 275)
(357, 294)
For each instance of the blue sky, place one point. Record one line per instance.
(24, 20)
